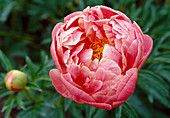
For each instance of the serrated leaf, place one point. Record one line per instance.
(20, 102)
(30, 67)
(5, 62)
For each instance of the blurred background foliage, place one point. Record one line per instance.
(25, 37)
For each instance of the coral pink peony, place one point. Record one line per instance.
(98, 53)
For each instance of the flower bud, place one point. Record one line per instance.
(15, 80)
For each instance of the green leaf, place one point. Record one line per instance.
(46, 41)
(164, 72)
(67, 103)
(8, 111)
(2, 86)
(118, 112)
(43, 77)
(158, 42)
(5, 92)
(75, 112)
(9, 103)
(163, 55)
(23, 68)
(5, 62)
(129, 111)
(101, 113)
(94, 2)
(90, 110)
(6, 11)
(155, 79)
(44, 59)
(155, 86)
(159, 60)
(30, 68)
(35, 87)
(20, 102)
(139, 104)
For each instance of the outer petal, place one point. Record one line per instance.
(54, 56)
(67, 18)
(56, 77)
(127, 84)
(147, 49)
(108, 12)
(100, 105)
(76, 91)
(115, 104)
(74, 38)
(55, 30)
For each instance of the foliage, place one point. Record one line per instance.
(25, 37)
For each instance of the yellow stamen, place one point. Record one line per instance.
(98, 45)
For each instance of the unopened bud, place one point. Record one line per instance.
(15, 80)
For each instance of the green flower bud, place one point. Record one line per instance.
(15, 80)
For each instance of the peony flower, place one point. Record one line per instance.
(15, 80)
(98, 53)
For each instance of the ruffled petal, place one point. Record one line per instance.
(74, 38)
(110, 65)
(110, 52)
(67, 18)
(85, 56)
(131, 54)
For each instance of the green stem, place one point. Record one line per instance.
(29, 95)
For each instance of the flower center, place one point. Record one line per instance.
(98, 45)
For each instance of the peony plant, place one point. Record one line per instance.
(98, 53)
